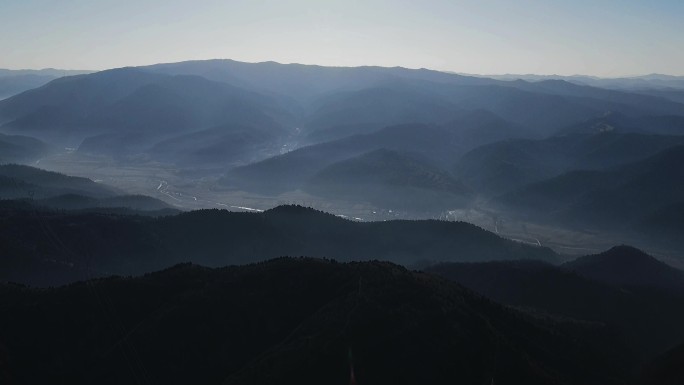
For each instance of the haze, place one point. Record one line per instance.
(607, 38)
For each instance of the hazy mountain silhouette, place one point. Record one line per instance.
(507, 165)
(615, 122)
(14, 82)
(616, 100)
(369, 109)
(21, 149)
(292, 170)
(132, 101)
(132, 109)
(441, 144)
(390, 179)
(52, 72)
(219, 146)
(664, 226)
(639, 84)
(42, 189)
(541, 112)
(617, 197)
(292, 321)
(673, 94)
(11, 85)
(305, 83)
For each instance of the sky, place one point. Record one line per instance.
(606, 38)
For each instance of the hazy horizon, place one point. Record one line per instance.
(356, 66)
(610, 39)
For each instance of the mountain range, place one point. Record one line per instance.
(47, 247)
(166, 100)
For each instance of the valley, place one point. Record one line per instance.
(199, 189)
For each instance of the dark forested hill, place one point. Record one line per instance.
(627, 266)
(29, 182)
(291, 321)
(648, 320)
(666, 369)
(49, 247)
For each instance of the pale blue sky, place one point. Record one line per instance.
(599, 37)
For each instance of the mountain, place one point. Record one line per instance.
(305, 83)
(45, 247)
(288, 320)
(648, 321)
(30, 182)
(63, 101)
(673, 94)
(338, 102)
(390, 179)
(152, 112)
(83, 202)
(507, 165)
(441, 144)
(13, 82)
(598, 96)
(40, 189)
(666, 369)
(133, 102)
(50, 72)
(664, 226)
(627, 266)
(363, 111)
(633, 83)
(21, 149)
(219, 146)
(616, 198)
(11, 85)
(526, 105)
(293, 169)
(615, 122)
